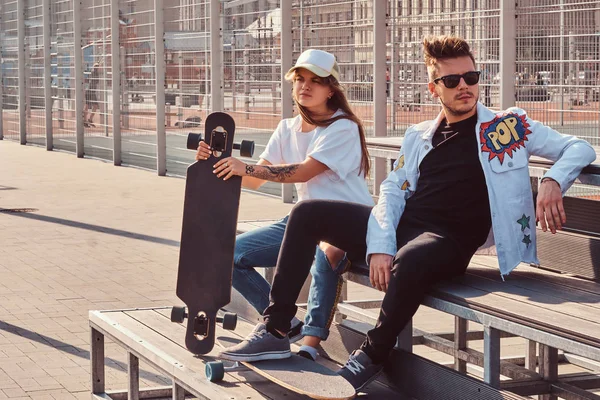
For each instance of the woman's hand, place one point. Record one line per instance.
(203, 152)
(229, 167)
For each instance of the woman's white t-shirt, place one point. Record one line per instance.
(337, 146)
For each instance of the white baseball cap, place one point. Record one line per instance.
(319, 62)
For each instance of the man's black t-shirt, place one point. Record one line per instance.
(451, 195)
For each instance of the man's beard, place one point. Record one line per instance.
(458, 113)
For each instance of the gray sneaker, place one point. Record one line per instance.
(258, 345)
(360, 370)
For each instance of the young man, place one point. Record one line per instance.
(461, 182)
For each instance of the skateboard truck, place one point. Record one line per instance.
(201, 321)
(217, 141)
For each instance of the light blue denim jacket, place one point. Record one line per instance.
(506, 140)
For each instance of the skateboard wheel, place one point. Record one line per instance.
(178, 314)
(193, 140)
(229, 321)
(215, 371)
(247, 148)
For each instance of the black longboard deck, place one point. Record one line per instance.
(208, 233)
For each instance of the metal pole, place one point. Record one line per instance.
(562, 62)
(179, 99)
(124, 89)
(1, 85)
(46, 12)
(22, 68)
(78, 56)
(247, 81)
(379, 95)
(491, 356)
(508, 53)
(393, 74)
(159, 62)
(116, 80)
(216, 56)
(287, 104)
(233, 73)
(104, 105)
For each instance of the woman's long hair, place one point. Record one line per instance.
(337, 101)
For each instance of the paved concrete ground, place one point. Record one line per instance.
(99, 237)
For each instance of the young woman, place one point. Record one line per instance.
(323, 152)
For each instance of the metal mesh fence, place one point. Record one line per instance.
(187, 77)
(344, 28)
(558, 67)
(557, 78)
(252, 71)
(10, 71)
(97, 61)
(63, 75)
(34, 81)
(138, 83)
(409, 100)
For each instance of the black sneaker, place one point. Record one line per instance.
(295, 333)
(360, 370)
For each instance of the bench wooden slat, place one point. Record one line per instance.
(541, 300)
(525, 314)
(160, 322)
(541, 274)
(559, 293)
(167, 356)
(375, 390)
(529, 314)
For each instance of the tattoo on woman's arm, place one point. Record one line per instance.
(272, 173)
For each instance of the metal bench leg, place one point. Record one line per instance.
(548, 367)
(460, 342)
(97, 361)
(133, 373)
(491, 356)
(531, 355)
(178, 392)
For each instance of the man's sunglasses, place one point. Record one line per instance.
(451, 81)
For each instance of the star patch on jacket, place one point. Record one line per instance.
(503, 135)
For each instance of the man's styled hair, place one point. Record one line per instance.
(440, 48)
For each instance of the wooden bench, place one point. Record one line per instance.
(149, 336)
(555, 307)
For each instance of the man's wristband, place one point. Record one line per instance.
(549, 179)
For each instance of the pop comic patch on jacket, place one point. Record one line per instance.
(503, 135)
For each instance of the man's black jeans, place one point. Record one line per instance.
(423, 259)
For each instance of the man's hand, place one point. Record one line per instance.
(380, 271)
(550, 211)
